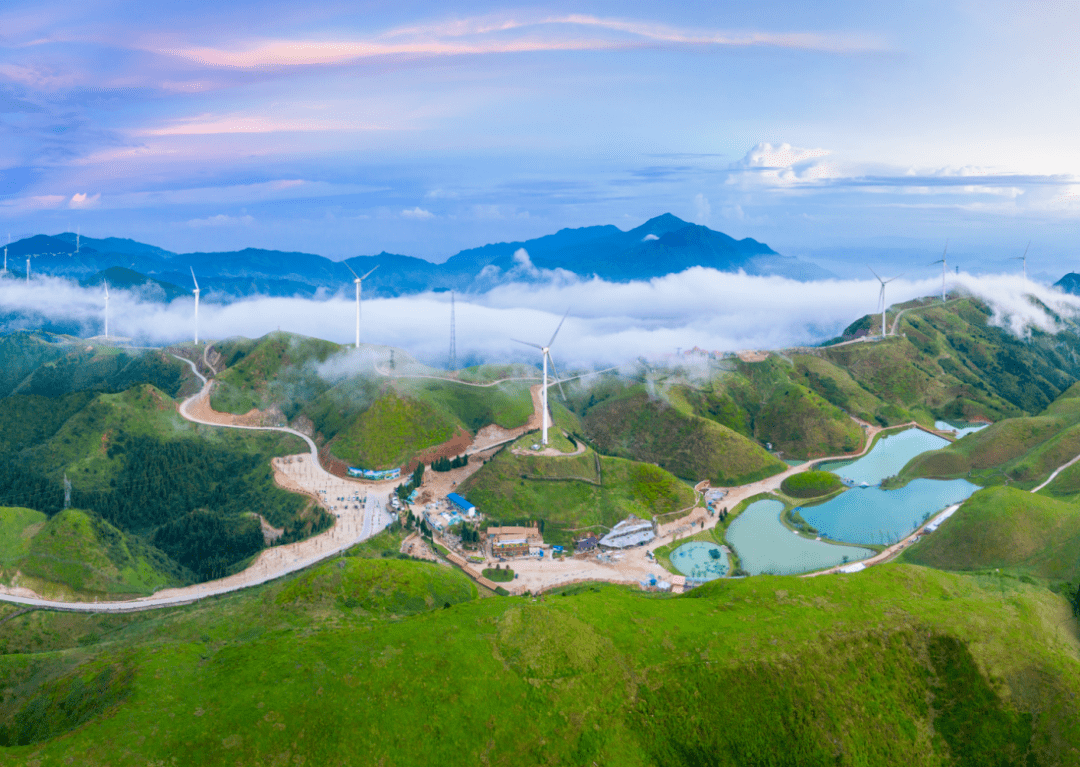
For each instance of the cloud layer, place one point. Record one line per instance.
(609, 324)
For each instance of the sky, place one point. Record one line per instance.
(848, 133)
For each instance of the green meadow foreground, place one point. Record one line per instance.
(374, 660)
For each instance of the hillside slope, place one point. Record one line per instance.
(898, 666)
(1002, 527)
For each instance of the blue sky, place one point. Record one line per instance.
(834, 131)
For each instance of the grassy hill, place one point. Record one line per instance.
(75, 552)
(1002, 527)
(896, 666)
(573, 492)
(390, 432)
(1023, 450)
(278, 369)
(635, 426)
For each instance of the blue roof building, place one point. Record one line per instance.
(461, 503)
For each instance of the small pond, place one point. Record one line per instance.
(697, 560)
(962, 428)
(873, 515)
(764, 545)
(887, 458)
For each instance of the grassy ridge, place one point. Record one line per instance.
(76, 552)
(638, 427)
(569, 493)
(842, 670)
(277, 369)
(1023, 450)
(811, 484)
(1002, 527)
(508, 405)
(390, 432)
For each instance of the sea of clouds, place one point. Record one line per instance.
(608, 323)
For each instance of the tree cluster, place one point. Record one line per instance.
(446, 464)
(404, 491)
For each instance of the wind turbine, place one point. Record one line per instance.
(545, 353)
(881, 300)
(196, 292)
(944, 267)
(359, 280)
(28, 270)
(106, 310)
(1023, 258)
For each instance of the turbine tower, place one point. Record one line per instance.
(881, 300)
(944, 267)
(453, 335)
(359, 280)
(28, 270)
(5, 261)
(1023, 258)
(196, 292)
(106, 310)
(545, 353)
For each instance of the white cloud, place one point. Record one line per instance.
(81, 200)
(609, 323)
(649, 237)
(417, 212)
(766, 155)
(702, 209)
(220, 220)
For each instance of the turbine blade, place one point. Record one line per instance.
(558, 329)
(193, 277)
(874, 273)
(369, 273)
(354, 274)
(945, 251)
(556, 372)
(1026, 250)
(535, 346)
(893, 278)
(106, 288)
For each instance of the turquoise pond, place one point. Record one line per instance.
(887, 457)
(694, 560)
(764, 545)
(873, 515)
(961, 428)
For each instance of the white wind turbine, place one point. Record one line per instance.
(545, 353)
(881, 300)
(359, 281)
(106, 310)
(1023, 258)
(196, 292)
(944, 267)
(28, 270)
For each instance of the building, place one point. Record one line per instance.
(461, 503)
(630, 532)
(588, 543)
(513, 541)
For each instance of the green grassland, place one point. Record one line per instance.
(897, 666)
(635, 426)
(1023, 450)
(811, 484)
(278, 369)
(77, 553)
(390, 432)
(1002, 527)
(570, 493)
(508, 404)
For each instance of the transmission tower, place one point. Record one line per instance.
(453, 337)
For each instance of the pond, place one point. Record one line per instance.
(697, 560)
(873, 515)
(764, 545)
(962, 428)
(887, 458)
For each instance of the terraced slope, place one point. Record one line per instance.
(898, 666)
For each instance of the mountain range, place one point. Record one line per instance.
(663, 245)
